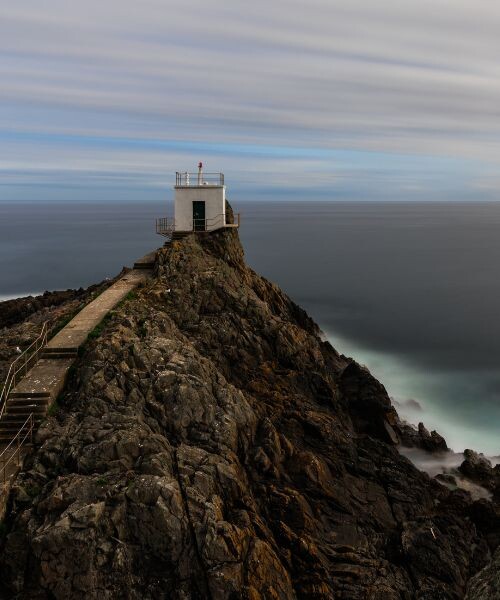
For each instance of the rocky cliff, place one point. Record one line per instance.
(211, 445)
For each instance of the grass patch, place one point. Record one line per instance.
(96, 332)
(130, 296)
(102, 481)
(53, 409)
(143, 330)
(63, 322)
(98, 329)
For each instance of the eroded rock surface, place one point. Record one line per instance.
(211, 445)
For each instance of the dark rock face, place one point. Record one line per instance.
(211, 445)
(486, 584)
(478, 468)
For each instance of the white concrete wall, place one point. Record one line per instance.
(215, 206)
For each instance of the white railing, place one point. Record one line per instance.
(22, 365)
(185, 179)
(13, 450)
(166, 226)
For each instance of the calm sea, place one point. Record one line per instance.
(411, 290)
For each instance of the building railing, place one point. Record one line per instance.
(22, 365)
(166, 226)
(12, 452)
(185, 179)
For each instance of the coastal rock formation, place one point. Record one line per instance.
(211, 445)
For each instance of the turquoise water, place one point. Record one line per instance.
(411, 290)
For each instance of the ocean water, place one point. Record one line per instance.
(411, 290)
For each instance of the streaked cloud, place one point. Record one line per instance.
(357, 99)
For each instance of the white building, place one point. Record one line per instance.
(199, 204)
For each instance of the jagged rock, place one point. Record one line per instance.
(211, 445)
(420, 437)
(485, 585)
(477, 468)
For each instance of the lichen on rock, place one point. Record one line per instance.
(210, 444)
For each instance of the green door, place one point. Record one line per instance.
(199, 215)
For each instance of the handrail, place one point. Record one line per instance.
(186, 179)
(27, 358)
(17, 452)
(166, 226)
(222, 217)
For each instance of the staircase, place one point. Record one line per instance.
(179, 235)
(146, 262)
(18, 408)
(37, 376)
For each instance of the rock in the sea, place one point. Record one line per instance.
(210, 445)
(477, 468)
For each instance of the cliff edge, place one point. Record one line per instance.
(211, 445)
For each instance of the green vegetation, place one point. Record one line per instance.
(53, 409)
(98, 329)
(130, 296)
(143, 331)
(63, 322)
(96, 332)
(102, 481)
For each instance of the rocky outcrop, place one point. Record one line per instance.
(419, 437)
(211, 445)
(486, 584)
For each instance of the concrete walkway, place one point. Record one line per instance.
(41, 386)
(77, 330)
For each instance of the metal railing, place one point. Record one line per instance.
(185, 179)
(22, 365)
(13, 450)
(166, 226)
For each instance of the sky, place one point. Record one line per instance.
(325, 99)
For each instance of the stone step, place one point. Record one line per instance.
(11, 429)
(28, 401)
(54, 355)
(57, 350)
(29, 395)
(10, 433)
(141, 265)
(5, 440)
(25, 408)
(178, 235)
(7, 418)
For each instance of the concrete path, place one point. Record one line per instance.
(41, 386)
(46, 376)
(77, 330)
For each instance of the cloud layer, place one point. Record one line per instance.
(353, 99)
